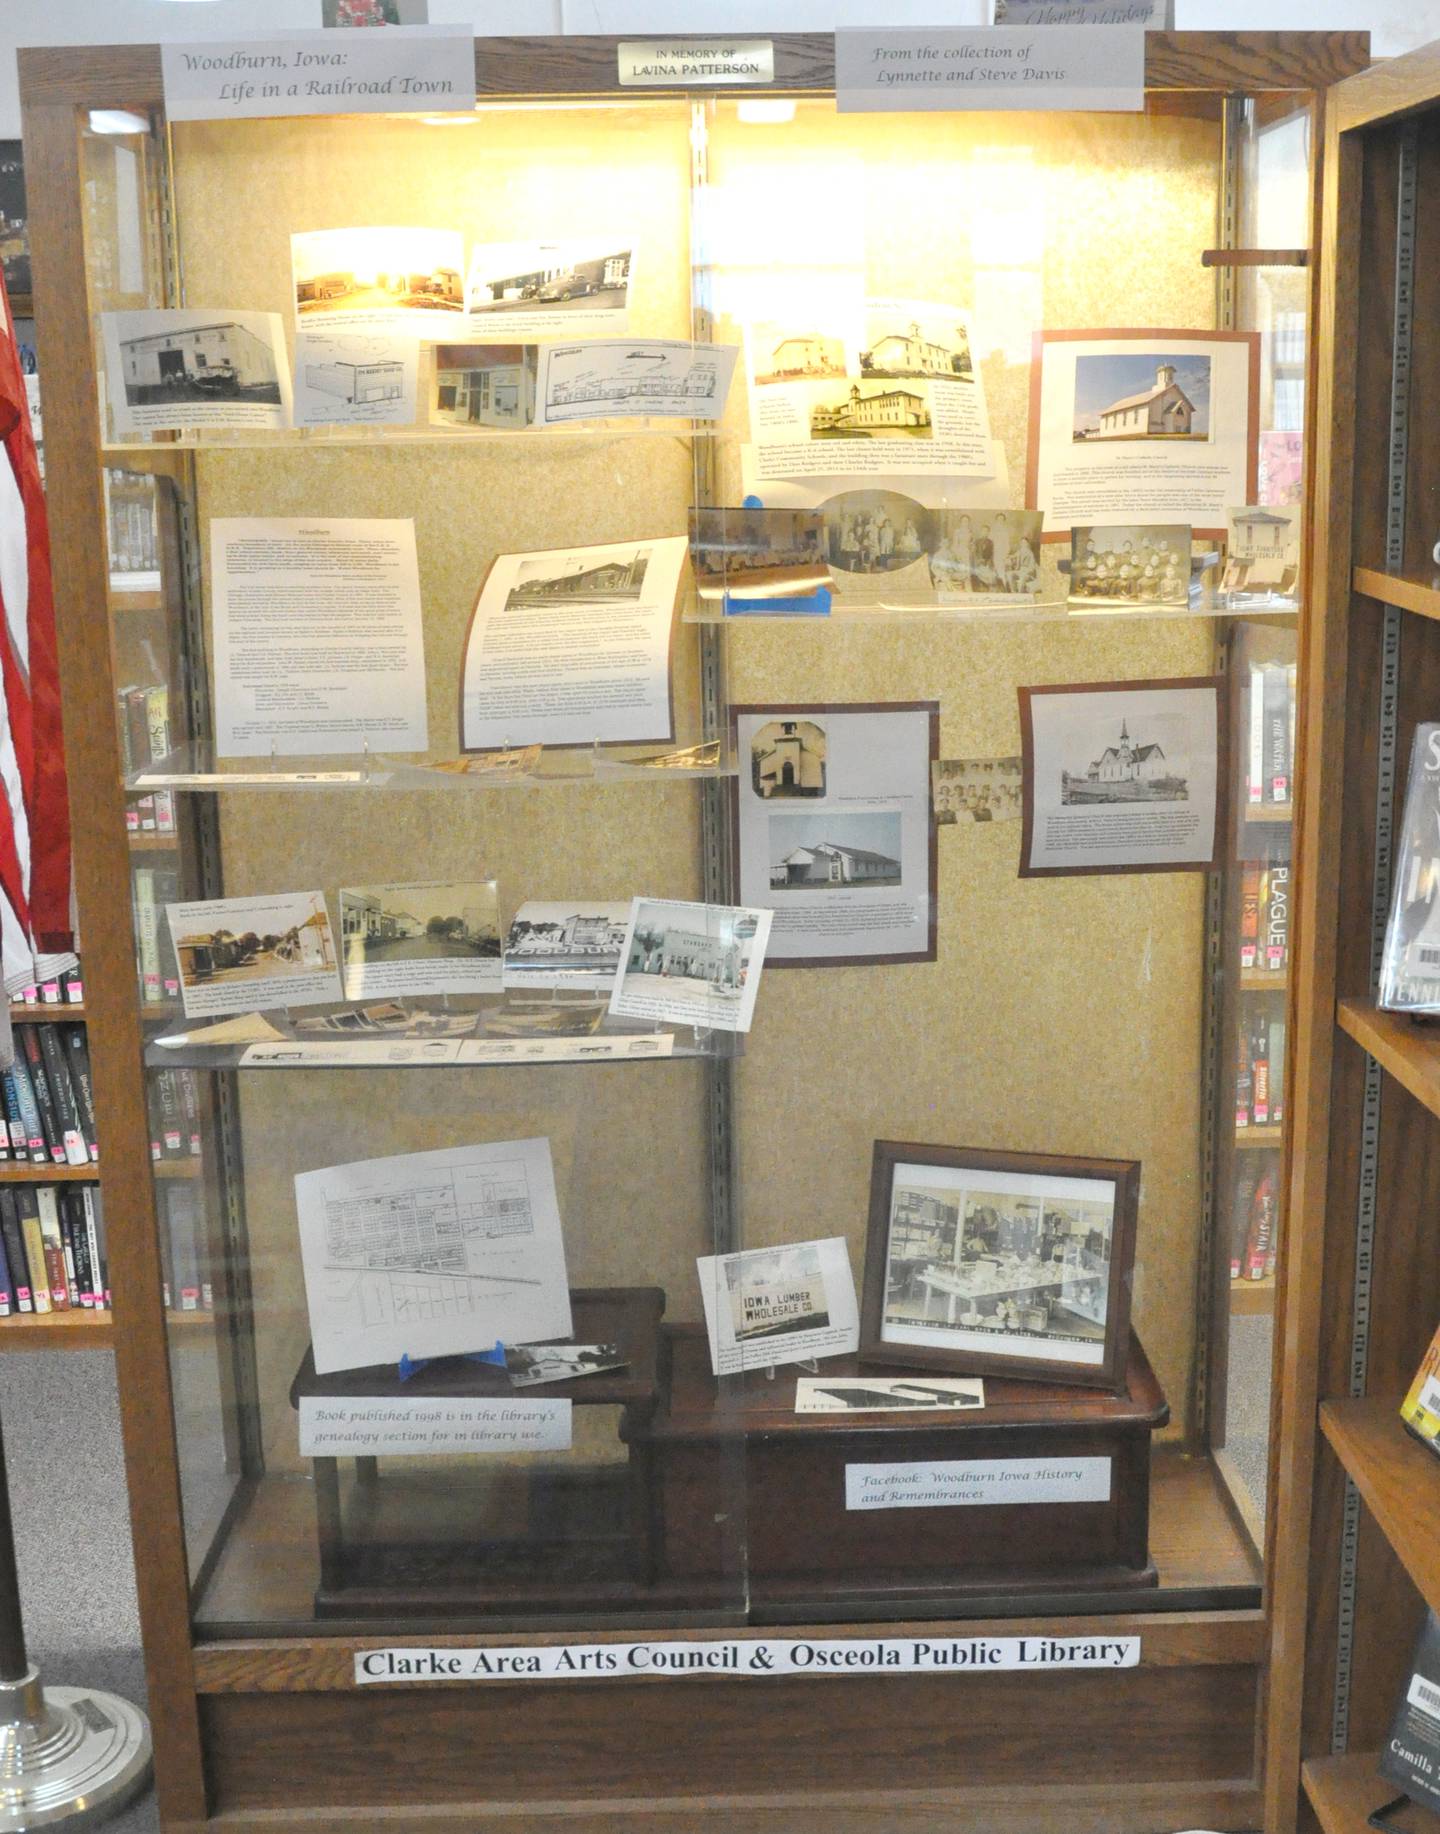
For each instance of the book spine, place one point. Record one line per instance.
(67, 1106)
(157, 720)
(1277, 1070)
(1260, 1074)
(15, 1253)
(147, 940)
(128, 762)
(73, 1216)
(1240, 1216)
(95, 1230)
(1244, 1085)
(53, 1247)
(14, 1122)
(67, 1246)
(77, 1056)
(34, 1243)
(1277, 734)
(7, 1294)
(73, 981)
(1249, 915)
(168, 1102)
(1255, 773)
(190, 1109)
(184, 1249)
(1262, 1225)
(1277, 918)
(50, 1128)
(30, 1110)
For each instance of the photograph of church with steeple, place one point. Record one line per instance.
(1155, 395)
(1127, 770)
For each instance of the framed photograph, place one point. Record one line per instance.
(1122, 776)
(1017, 1264)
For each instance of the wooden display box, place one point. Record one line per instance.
(806, 1550)
(560, 1537)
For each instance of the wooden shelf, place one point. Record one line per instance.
(1252, 1298)
(13, 1172)
(193, 1167)
(1408, 1049)
(134, 601)
(1267, 811)
(74, 1330)
(1263, 980)
(1421, 595)
(1344, 1790)
(1258, 1136)
(1398, 1478)
(151, 841)
(21, 1014)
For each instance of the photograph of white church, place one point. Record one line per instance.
(787, 758)
(1127, 770)
(1146, 396)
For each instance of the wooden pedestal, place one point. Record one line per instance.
(576, 1538)
(805, 1552)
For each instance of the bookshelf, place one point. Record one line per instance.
(73, 1330)
(1398, 1478)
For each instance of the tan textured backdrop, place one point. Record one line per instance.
(1061, 1016)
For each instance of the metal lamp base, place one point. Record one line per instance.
(67, 1754)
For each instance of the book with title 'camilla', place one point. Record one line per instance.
(1410, 965)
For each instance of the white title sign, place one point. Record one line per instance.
(355, 1426)
(662, 62)
(948, 1483)
(734, 1657)
(1032, 67)
(388, 70)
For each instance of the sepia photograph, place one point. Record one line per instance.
(985, 1259)
(985, 552)
(1125, 564)
(530, 1365)
(428, 938)
(937, 347)
(1262, 551)
(877, 531)
(249, 954)
(557, 944)
(835, 852)
(976, 789)
(561, 580)
(872, 410)
(692, 964)
(757, 553)
(484, 385)
(785, 353)
(395, 274)
(787, 759)
(1134, 395)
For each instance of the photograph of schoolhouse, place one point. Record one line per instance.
(908, 351)
(873, 413)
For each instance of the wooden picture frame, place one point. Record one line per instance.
(963, 1347)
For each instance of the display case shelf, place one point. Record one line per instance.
(72, 1330)
(47, 1014)
(1420, 593)
(1398, 1478)
(1252, 1298)
(1249, 1137)
(1408, 1048)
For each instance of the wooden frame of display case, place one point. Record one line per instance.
(272, 1731)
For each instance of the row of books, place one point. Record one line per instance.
(1255, 1217)
(134, 533)
(1270, 760)
(52, 1249)
(1260, 1070)
(67, 989)
(173, 1098)
(183, 1263)
(49, 1102)
(1265, 917)
(145, 740)
(152, 889)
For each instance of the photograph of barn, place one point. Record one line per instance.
(541, 582)
(1127, 772)
(872, 413)
(829, 852)
(787, 758)
(224, 360)
(1154, 396)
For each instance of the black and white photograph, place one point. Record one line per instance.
(787, 760)
(402, 280)
(175, 368)
(887, 1394)
(757, 553)
(985, 553)
(251, 954)
(917, 342)
(1129, 564)
(981, 1259)
(490, 387)
(877, 532)
(691, 964)
(783, 1304)
(556, 944)
(968, 790)
(550, 289)
(794, 353)
(1262, 551)
(834, 829)
(14, 222)
(1142, 395)
(872, 410)
(569, 579)
(436, 937)
(1121, 776)
(839, 851)
(532, 1365)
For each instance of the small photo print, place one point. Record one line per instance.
(789, 353)
(833, 852)
(788, 760)
(985, 553)
(568, 579)
(773, 1292)
(171, 369)
(757, 553)
(965, 790)
(1131, 395)
(429, 938)
(550, 287)
(692, 964)
(484, 385)
(877, 531)
(530, 1365)
(766, 1306)
(872, 410)
(1262, 551)
(887, 1394)
(557, 944)
(1123, 768)
(1120, 564)
(936, 346)
(250, 954)
(389, 275)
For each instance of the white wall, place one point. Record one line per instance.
(1395, 25)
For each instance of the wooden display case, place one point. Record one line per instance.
(1076, 1017)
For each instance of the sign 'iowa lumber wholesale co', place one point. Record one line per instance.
(734, 1657)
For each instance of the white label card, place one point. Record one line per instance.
(1157, 15)
(663, 62)
(948, 1483)
(351, 1426)
(1085, 67)
(391, 70)
(744, 1657)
